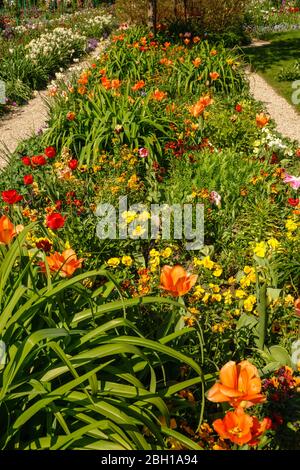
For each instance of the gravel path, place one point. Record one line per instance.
(284, 114)
(26, 120)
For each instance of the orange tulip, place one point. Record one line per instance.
(197, 109)
(262, 120)
(158, 95)
(176, 280)
(140, 84)
(197, 62)
(214, 75)
(65, 263)
(7, 230)
(239, 385)
(240, 427)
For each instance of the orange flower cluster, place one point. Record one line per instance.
(65, 263)
(158, 95)
(262, 120)
(198, 108)
(138, 85)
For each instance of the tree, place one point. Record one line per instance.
(152, 14)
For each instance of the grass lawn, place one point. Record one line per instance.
(269, 60)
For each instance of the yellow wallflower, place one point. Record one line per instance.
(227, 297)
(206, 297)
(289, 300)
(218, 271)
(273, 243)
(214, 287)
(154, 253)
(113, 262)
(290, 225)
(207, 262)
(166, 252)
(216, 297)
(127, 260)
(138, 231)
(260, 249)
(129, 216)
(249, 303)
(143, 216)
(231, 280)
(239, 293)
(198, 291)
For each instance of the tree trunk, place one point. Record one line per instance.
(152, 14)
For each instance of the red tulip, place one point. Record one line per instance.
(73, 164)
(11, 196)
(50, 152)
(293, 202)
(38, 160)
(239, 108)
(55, 221)
(26, 161)
(28, 179)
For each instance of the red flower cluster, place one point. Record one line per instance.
(39, 160)
(11, 196)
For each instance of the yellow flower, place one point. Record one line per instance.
(198, 291)
(227, 297)
(291, 226)
(289, 300)
(138, 231)
(231, 280)
(239, 293)
(245, 282)
(205, 298)
(216, 297)
(129, 216)
(113, 262)
(249, 270)
(214, 287)
(249, 303)
(207, 262)
(237, 312)
(127, 260)
(145, 215)
(260, 249)
(218, 271)
(154, 253)
(166, 252)
(273, 243)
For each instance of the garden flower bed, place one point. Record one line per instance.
(32, 52)
(127, 342)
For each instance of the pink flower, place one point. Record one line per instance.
(294, 181)
(143, 153)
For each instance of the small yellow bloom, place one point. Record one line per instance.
(129, 216)
(291, 226)
(216, 297)
(227, 297)
(249, 303)
(289, 300)
(154, 253)
(218, 271)
(143, 216)
(113, 262)
(138, 231)
(260, 249)
(166, 253)
(207, 262)
(273, 243)
(127, 260)
(239, 293)
(231, 280)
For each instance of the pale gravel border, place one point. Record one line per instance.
(285, 116)
(28, 119)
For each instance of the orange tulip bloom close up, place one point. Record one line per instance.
(239, 385)
(66, 263)
(7, 230)
(262, 120)
(198, 108)
(241, 428)
(176, 280)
